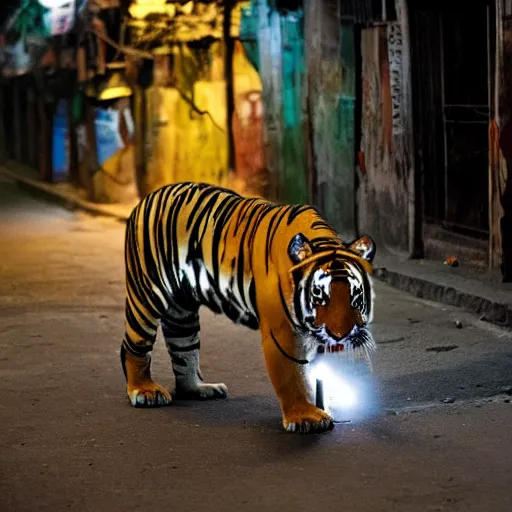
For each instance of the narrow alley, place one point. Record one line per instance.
(439, 440)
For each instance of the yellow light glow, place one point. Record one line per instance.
(141, 8)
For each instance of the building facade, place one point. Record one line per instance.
(393, 117)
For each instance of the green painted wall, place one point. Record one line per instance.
(306, 62)
(280, 61)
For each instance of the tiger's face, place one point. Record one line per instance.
(333, 299)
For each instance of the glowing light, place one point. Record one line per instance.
(337, 391)
(141, 8)
(52, 4)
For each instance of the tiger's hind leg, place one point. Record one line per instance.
(136, 350)
(181, 336)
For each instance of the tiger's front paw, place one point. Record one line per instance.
(149, 395)
(307, 419)
(201, 391)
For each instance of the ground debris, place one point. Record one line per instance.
(442, 348)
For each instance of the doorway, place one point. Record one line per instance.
(451, 70)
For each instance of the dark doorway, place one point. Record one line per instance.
(451, 95)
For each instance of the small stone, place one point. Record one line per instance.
(507, 400)
(458, 324)
(449, 400)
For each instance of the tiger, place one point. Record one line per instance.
(278, 268)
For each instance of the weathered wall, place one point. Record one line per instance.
(309, 80)
(501, 175)
(248, 126)
(281, 61)
(269, 48)
(186, 139)
(386, 196)
(497, 164)
(307, 67)
(330, 106)
(181, 143)
(294, 170)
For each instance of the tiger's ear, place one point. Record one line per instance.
(299, 248)
(365, 246)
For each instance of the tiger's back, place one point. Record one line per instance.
(205, 244)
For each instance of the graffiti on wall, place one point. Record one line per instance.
(395, 49)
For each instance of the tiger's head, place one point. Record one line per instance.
(333, 296)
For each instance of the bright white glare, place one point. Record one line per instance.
(337, 392)
(51, 4)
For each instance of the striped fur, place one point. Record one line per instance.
(192, 244)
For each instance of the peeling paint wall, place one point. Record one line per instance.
(383, 209)
(309, 98)
(269, 44)
(294, 170)
(330, 106)
(281, 67)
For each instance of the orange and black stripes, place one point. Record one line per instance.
(279, 268)
(192, 244)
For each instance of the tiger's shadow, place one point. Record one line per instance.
(259, 417)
